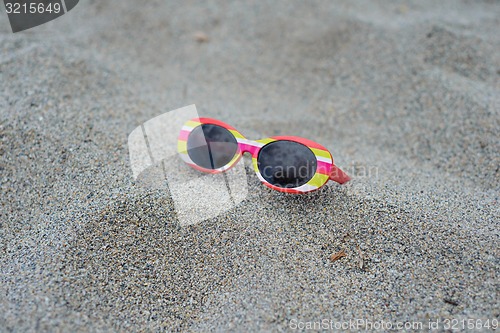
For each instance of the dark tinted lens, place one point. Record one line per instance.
(286, 163)
(211, 146)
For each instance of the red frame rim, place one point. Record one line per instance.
(239, 153)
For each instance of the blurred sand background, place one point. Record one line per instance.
(407, 90)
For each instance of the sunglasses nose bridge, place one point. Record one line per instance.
(248, 146)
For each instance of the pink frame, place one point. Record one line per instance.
(326, 168)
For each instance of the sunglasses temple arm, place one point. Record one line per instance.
(338, 175)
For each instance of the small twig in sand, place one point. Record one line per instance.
(337, 256)
(449, 301)
(360, 257)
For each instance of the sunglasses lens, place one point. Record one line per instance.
(211, 146)
(286, 163)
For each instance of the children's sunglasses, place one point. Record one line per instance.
(284, 163)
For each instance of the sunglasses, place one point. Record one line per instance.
(284, 163)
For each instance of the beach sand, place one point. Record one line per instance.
(406, 95)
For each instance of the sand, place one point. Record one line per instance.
(406, 95)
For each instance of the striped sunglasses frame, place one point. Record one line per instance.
(325, 166)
